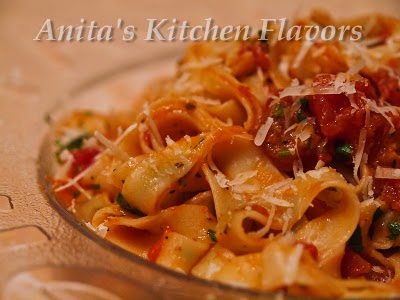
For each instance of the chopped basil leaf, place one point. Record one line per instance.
(392, 134)
(394, 228)
(344, 150)
(211, 234)
(304, 103)
(125, 205)
(301, 117)
(96, 186)
(355, 241)
(76, 194)
(74, 144)
(278, 111)
(394, 164)
(283, 152)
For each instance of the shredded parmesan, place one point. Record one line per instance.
(68, 160)
(319, 165)
(169, 141)
(100, 230)
(360, 150)
(110, 145)
(305, 46)
(276, 201)
(72, 207)
(287, 216)
(293, 263)
(388, 173)
(206, 101)
(243, 177)
(382, 110)
(219, 176)
(78, 177)
(276, 186)
(263, 131)
(291, 128)
(202, 63)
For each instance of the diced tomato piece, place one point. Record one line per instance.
(334, 113)
(353, 265)
(83, 158)
(391, 194)
(311, 249)
(259, 53)
(155, 250)
(388, 86)
(261, 57)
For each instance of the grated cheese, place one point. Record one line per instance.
(202, 63)
(381, 110)
(169, 141)
(243, 177)
(388, 173)
(207, 101)
(110, 145)
(277, 201)
(273, 187)
(219, 176)
(72, 207)
(319, 165)
(360, 150)
(68, 158)
(78, 177)
(263, 131)
(305, 46)
(293, 264)
(286, 218)
(100, 230)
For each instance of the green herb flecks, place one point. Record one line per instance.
(283, 153)
(125, 205)
(304, 103)
(278, 111)
(74, 144)
(301, 117)
(212, 235)
(96, 187)
(344, 151)
(76, 194)
(394, 228)
(355, 241)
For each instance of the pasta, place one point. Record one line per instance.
(269, 165)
